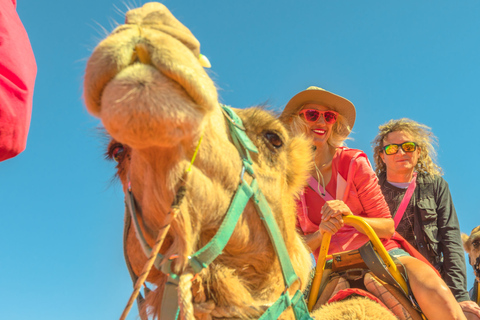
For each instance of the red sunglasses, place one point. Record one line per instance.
(312, 115)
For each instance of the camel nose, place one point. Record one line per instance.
(141, 54)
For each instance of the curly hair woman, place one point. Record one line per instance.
(420, 201)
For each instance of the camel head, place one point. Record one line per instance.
(147, 85)
(471, 244)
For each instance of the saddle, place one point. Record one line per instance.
(361, 272)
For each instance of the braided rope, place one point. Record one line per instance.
(185, 296)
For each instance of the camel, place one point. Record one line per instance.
(146, 83)
(471, 244)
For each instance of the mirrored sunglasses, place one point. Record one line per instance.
(312, 115)
(406, 147)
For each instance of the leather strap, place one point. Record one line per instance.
(379, 269)
(377, 266)
(170, 309)
(299, 307)
(203, 257)
(132, 213)
(271, 225)
(133, 276)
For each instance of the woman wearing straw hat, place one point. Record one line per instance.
(342, 182)
(425, 215)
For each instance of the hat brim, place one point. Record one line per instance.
(321, 97)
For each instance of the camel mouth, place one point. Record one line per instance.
(147, 83)
(151, 37)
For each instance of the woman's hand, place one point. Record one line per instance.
(334, 208)
(331, 226)
(332, 216)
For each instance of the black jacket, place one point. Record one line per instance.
(437, 231)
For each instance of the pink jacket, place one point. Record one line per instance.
(361, 193)
(17, 78)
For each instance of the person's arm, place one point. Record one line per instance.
(383, 227)
(313, 240)
(450, 239)
(372, 200)
(17, 78)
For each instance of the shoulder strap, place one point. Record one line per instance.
(406, 199)
(313, 183)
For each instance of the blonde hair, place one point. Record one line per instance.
(340, 129)
(421, 135)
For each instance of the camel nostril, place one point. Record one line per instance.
(141, 54)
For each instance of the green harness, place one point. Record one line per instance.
(206, 255)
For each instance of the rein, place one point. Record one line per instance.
(206, 255)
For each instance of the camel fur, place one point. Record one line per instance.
(359, 308)
(155, 100)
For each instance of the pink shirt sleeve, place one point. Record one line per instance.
(369, 192)
(17, 79)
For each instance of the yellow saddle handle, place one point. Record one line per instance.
(358, 222)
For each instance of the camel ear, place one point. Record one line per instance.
(466, 243)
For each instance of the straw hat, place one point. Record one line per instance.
(322, 97)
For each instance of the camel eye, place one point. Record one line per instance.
(476, 244)
(117, 152)
(274, 139)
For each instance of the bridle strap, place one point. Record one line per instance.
(203, 257)
(237, 131)
(206, 255)
(133, 276)
(271, 225)
(131, 211)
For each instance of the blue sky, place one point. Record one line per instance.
(62, 216)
